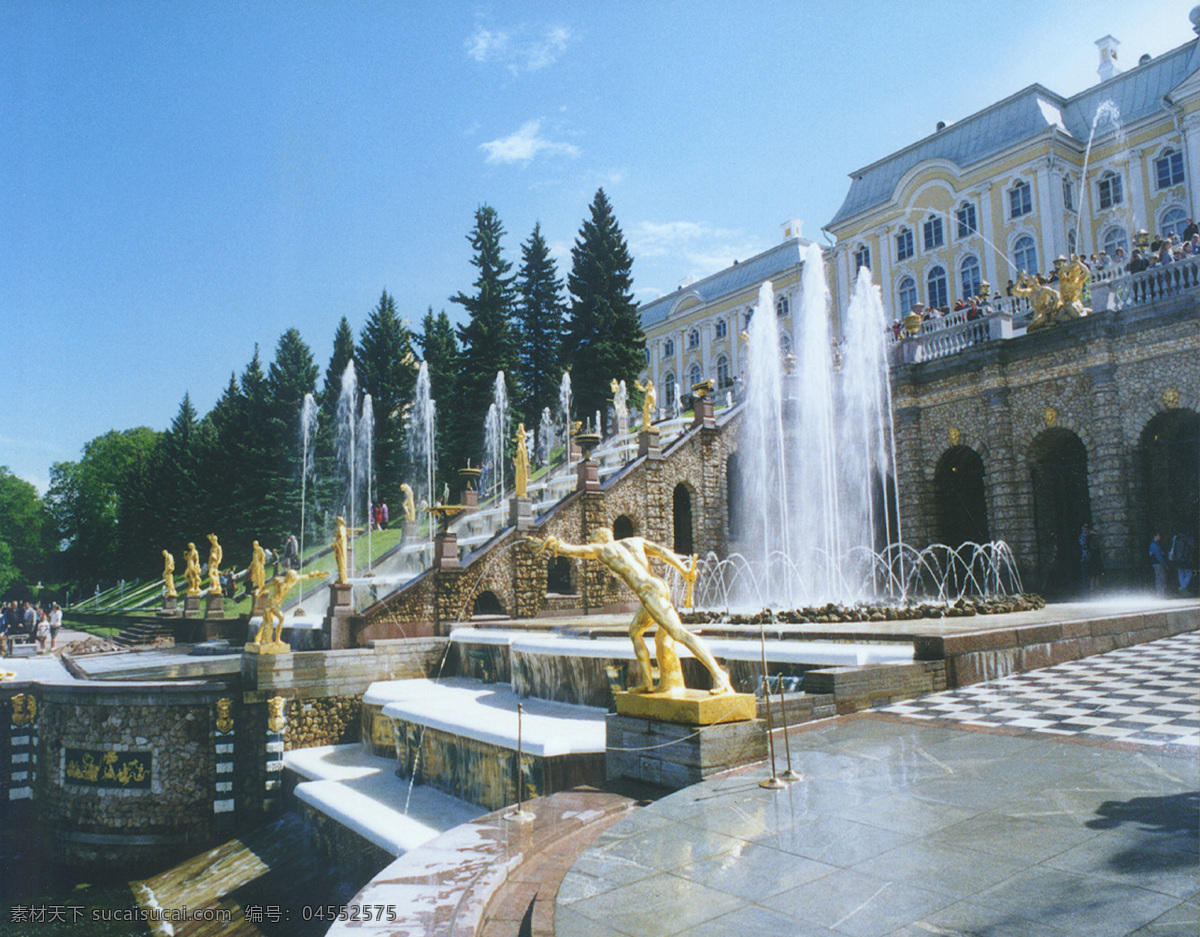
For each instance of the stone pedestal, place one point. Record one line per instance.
(703, 413)
(469, 499)
(588, 476)
(688, 707)
(676, 756)
(573, 453)
(648, 444)
(214, 605)
(445, 550)
(191, 606)
(170, 608)
(520, 513)
(338, 614)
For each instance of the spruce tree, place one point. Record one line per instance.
(488, 339)
(387, 371)
(540, 312)
(604, 340)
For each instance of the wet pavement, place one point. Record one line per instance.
(908, 826)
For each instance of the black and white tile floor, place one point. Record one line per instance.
(1148, 694)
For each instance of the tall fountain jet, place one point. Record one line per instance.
(422, 435)
(495, 436)
(816, 448)
(308, 429)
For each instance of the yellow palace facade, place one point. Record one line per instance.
(1005, 189)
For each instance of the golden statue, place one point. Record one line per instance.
(629, 559)
(224, 715)
(276, 718)
(24, 709)
(169, 574)
(1072, 278)
(191, 572)
(258, 568)
(649, 401)
(214, 565)
(1049, 305)
(521, 463)
(410, 509)
(341, 535)
(276, 591)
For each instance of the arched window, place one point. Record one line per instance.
(1168, 168)
(668, 400)
(1020, 199)
(970, 276)
(1068, 194)
(1173, 222)
(694, 375)
(862, 257)
(694, 338)
(1110, 190)
(782, 306)
(1115, 237)
(1025, 254)
(907, 295)
(936, 290)
(965, 216)
(721, 329)
(724, 380)
(904, 244)
(669, 348)
(934, 236)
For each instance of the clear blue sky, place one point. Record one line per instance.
(180, 181)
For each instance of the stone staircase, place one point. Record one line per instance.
(146, 634)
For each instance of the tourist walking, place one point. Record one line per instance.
(1158, 562)
(55, 624)
(1183, 556)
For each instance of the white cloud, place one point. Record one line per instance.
(688, 250)
(524, 145)
(518, 50)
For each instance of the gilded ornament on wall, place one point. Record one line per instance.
(1050, 416)
(224, 715)
(1170, 398)
(275, 717)
(24, 709)
(955, 436)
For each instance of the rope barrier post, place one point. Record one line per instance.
(773, 783)
(520, 815)
(789, 775)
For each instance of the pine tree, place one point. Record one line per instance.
(604, 340)
(540, 312)
(178, 495)
(488, 340)
(387, 371)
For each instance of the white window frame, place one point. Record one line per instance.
(1020, 195)
(971, 226)
(945, 287)
(905, 243)
(969, 290)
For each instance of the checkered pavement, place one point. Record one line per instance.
(1148, 694)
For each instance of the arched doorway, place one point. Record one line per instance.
(682, 514)
(1061, 506)
(622, 526)
(1168, 478)
(487, 603)
(959, 493)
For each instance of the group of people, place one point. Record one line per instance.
(1163, 249)
(1180, 555)
(38, 623)
(379, 516)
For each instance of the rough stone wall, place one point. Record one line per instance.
(1102, 378)
(332, 720)
(111, 822)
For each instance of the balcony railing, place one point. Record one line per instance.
(1111, 289)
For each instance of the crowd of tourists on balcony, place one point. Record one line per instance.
(1159, 250)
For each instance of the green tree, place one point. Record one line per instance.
(488, 340)
(84, 501)
(291, 376)
(330, 491)
(443, 359)
(22, 530)
(604, 340)
(387, 371)
(540, 313)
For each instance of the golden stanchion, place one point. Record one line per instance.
(520, 815)
(773, 783)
